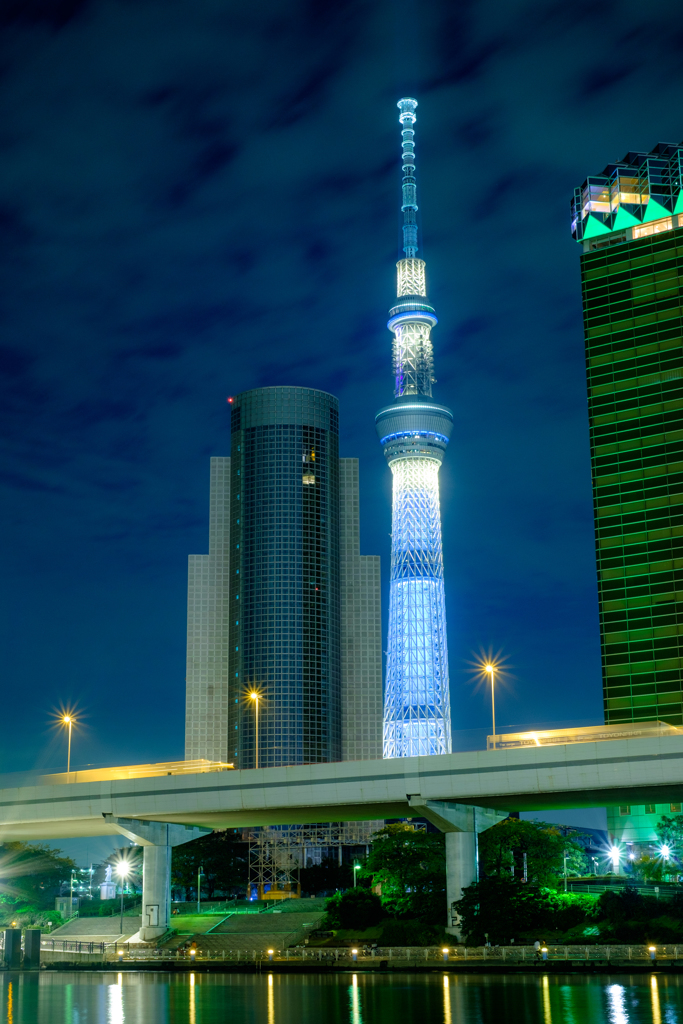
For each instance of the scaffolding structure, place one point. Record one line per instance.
(277, 853)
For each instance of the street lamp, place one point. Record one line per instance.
(356, 867)
(122, 869)
(490, 670)
(68, 721)
(255, 697)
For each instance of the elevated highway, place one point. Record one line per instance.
(462, 793)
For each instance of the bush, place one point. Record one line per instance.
(507, 909)
(356, 908)
(412, 933)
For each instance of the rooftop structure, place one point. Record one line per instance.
(414, 431)
(634, 198)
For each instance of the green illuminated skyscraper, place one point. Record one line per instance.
(629, 221)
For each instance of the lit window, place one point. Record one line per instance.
(624, 810)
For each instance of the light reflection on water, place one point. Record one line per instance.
(438, 998)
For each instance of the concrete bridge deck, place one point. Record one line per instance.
(623, 771)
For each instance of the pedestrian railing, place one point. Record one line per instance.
(406, 955)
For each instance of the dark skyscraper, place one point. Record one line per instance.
(284, 578)
(629, 220)
(284, 604)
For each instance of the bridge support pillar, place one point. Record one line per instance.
(157, 839)
(462, 825)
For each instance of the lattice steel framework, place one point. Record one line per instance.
(417, 718)
(414, 432)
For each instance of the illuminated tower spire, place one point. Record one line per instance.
(414, 431)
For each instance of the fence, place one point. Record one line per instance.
(577, 955)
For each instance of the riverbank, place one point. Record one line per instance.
(551, 967)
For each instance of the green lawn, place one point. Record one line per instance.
(195, 923)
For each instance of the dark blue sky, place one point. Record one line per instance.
(199, 197)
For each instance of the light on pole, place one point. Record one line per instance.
(122, 870)
(356, 868)
(200, 875)
(255, 697)
(68, 721)
(490, 670)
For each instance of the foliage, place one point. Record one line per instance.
(651, 869)
(413, 933)
(503, 846)
(356, 908)
(506, 909)
(410, 866)
(223, 857)
(325, 878)
(669, 829)
(26, 915)
(32, 872)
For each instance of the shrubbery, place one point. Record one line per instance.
(507, 910)
(356, 908)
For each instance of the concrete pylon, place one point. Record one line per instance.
(462, 825)
(157, 838)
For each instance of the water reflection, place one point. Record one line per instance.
(654, 992)
(447, 1019)
(95, 997)
(115, 1008)
(547, 1015)
(617, 1005)
(355, 1002)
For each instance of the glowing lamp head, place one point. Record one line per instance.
(445, 949)
(193, 953)
(270, 952)
(652, 949)
(355, 952)
(488, 668)
(614, 855)
(67, 719)
(122, 868)
(254, 696)
(666, 851)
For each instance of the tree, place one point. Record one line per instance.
(326, 877)
(356, 908)
(669, 830)
(502, 848)
(503, 908)
(223, 857)
(410, 866)
(32, 872)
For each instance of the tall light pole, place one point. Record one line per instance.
(255, 697)
(490, 670)
(68, 721)
(122, 870)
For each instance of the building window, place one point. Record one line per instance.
(675, 808)
(624, 810)
(650, 808)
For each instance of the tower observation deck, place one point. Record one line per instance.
(414, 432)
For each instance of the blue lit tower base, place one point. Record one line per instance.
(414, 432)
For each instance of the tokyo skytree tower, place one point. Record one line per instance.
(414, 431)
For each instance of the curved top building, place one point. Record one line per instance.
(414, 432)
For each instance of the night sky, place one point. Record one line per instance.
(201, 196)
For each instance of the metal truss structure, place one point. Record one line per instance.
(277, 853)
(417, 716)
(414, 433)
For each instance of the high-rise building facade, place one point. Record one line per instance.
(629, 221)
(284, 576)
(284, 604)
(414, 431)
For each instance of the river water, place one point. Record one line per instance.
(145, 998)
